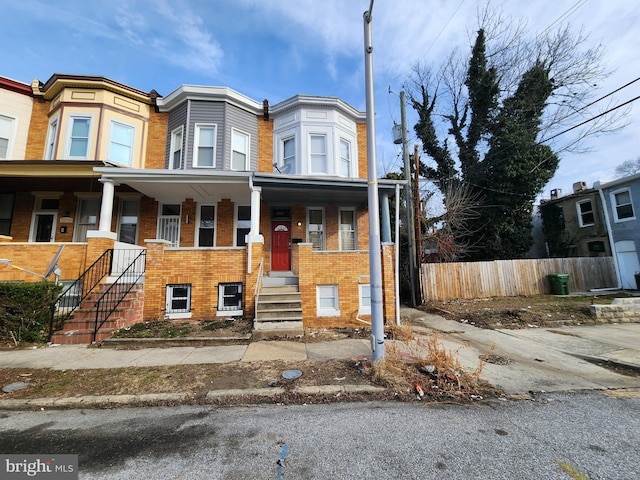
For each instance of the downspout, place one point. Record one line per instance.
(250, 243)
(397, 253)
(611, 242)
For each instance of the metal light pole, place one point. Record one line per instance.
(375, 263)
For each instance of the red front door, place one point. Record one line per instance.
(280, 246)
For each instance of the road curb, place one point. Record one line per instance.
(97, 401)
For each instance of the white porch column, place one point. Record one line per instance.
(106, 209)
(254, 234)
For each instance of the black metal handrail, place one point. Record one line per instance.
(71, 298)
(118, 290)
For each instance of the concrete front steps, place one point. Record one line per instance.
(621, 310)
(80, 327)
(278, 307)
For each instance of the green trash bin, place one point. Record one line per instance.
(559, 283)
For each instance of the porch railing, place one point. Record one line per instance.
(79, 290)
(118, 290)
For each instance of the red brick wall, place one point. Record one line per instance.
(37, 130)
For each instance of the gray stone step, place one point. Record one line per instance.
(282, 314)
(281, 280)
(283, 325)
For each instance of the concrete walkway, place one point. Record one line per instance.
(541, 359)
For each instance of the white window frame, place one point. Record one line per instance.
(247, 140)
(69, 137)
(324, 154)
(355, 229)
(176, 147)
(348, 159)
(32, 230)
(223, 311)
(12, 121)
(581, 221)
(311, 227)
(170, 312)
(52, 139)
(288, 164)
(112, 126)
(327, 292)
(162, 217)
(614, 205)
(364, 293)
(196, 144)
(240, 224)
(198, 226)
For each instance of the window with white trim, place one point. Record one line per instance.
(178, 301)
(315, 228)
(347, 229)
(327, 301)
(364, 295)
(121, 143)
(585, 213)
(207, 226)
(6, 134)
(128, 222)
(622, 205)
(6, 212)
(78, 137)
(288, 164)
(205, 146)
(229, 299)
(345, 158)
(239, 150)
(175, 150)
(52, 138)
(318, 153)
(243, 224)
(169, 223)
(87, 217)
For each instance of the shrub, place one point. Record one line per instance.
(25, 310)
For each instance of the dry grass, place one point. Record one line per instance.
(425, 362)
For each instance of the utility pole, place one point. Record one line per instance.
(408, 196)
(375, 250)
(418, 216)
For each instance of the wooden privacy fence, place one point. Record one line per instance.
(508, 278)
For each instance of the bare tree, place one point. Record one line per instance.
(628, 167)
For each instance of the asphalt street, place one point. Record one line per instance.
(590, 434)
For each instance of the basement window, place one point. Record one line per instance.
(230, 299)
(327, 301)
(178, 301)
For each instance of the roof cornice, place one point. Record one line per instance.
(15, 86)
(208, 94)
(298, 101)
(59, 81)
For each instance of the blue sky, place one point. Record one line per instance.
(275, 49)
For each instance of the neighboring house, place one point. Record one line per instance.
(227, 197)
(621, 199)
(574, 225)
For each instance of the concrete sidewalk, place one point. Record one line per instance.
(77, 357)
(541, 359)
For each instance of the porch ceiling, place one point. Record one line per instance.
(171, 186)
(316, 190)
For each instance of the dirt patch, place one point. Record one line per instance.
(219, 327)
(520, 312)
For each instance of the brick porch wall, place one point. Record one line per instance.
(203, 269)
(347, 270)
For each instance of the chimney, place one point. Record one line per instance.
(556, 193)
(265, 109)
